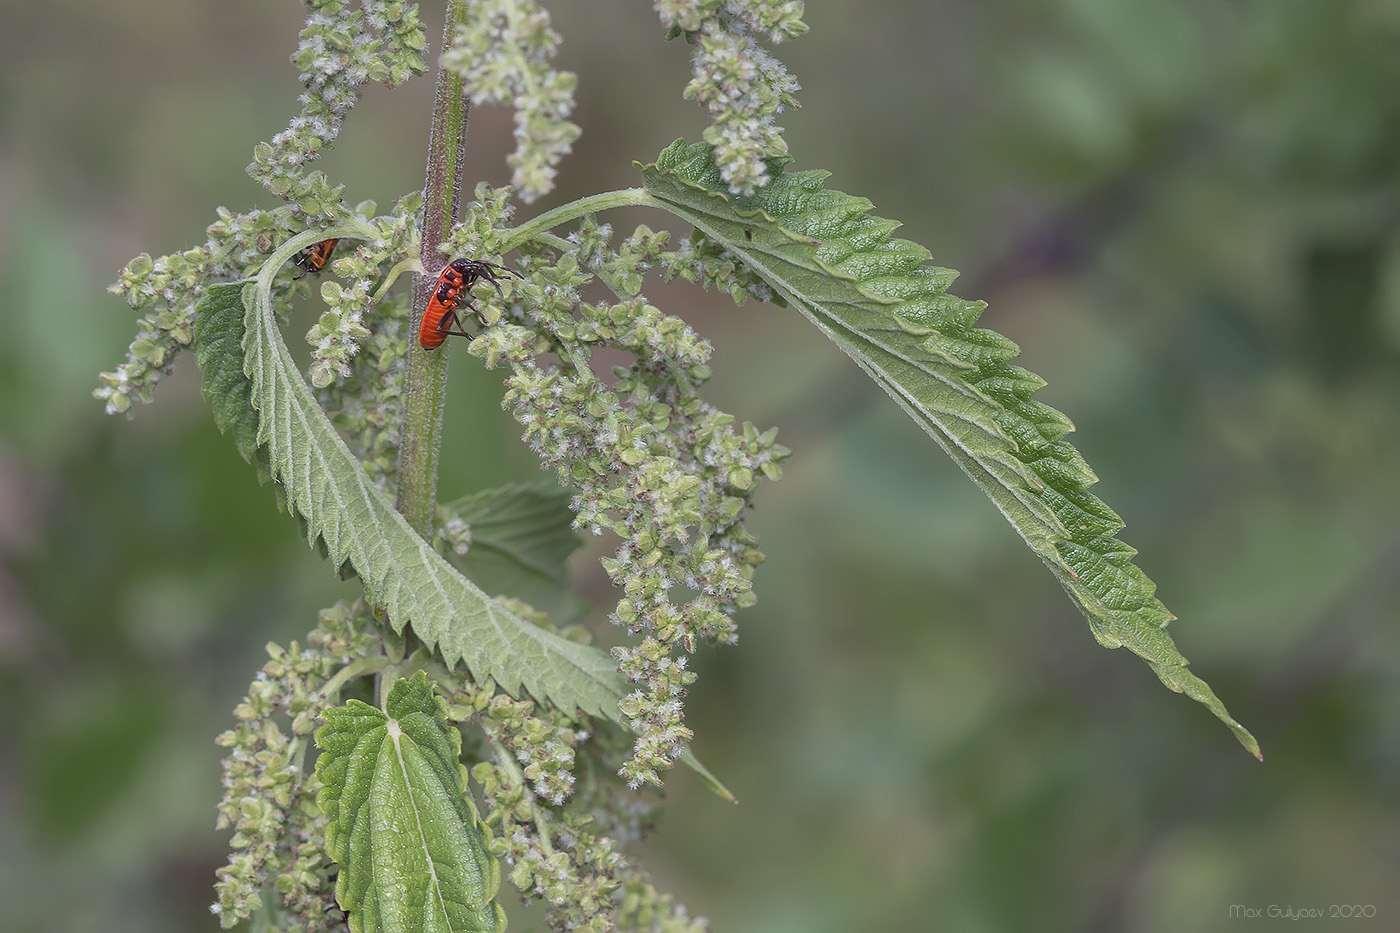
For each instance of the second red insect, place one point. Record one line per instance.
(315, 256)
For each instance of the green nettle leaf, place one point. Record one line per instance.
(341, 505)
(411, 848)
(522, 536)
(875, 298)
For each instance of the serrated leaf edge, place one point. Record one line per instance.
(358, 524)
(1142, 631)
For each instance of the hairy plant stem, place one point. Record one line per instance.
(425, 380)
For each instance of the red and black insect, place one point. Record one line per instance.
(315, 257)
(452, 285)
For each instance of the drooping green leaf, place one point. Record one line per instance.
(342, 507)
(874, 297)
(411, 849)
(521, 538)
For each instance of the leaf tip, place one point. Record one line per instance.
(712, 782)
(1245, 738)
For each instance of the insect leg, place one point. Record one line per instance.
(445, 326)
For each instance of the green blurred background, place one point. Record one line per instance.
(1186, 213)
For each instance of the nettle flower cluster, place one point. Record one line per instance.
(741, 84)
(168, 289)
(648, 459)
(560, 837)
(269, 798)
(359, 342)
(503, 53)
(504, 50)
(339, 51)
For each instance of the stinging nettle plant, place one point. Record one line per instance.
(346, 778)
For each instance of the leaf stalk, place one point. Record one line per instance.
(625, 197)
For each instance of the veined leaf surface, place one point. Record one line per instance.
(874, 297)
(522, 536)
(411, 849)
